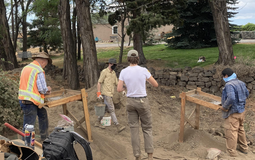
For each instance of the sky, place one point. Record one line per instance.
(246, 12)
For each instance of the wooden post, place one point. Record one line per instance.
(86, 113)
(197, 116)
(64, 106)
(182, 121)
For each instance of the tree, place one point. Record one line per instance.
(45, 29)
(120, 15)
(44, 35)
(221, 25)
(196, 29)
(25, 6)
(67, 36)
(147, 15)
(90, 63)
(5, 38)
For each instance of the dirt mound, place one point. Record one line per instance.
(109, 145)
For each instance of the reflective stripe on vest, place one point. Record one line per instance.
(28, 95)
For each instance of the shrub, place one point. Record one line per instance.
(10, 110)
(248, 27)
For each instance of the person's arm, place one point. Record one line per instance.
(120, 87)
(98, 87)
(152, 81)
(247, 93)
(100, 80)
(41, 84)
(230, 97)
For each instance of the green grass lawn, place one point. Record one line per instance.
(180, 58)
(163, 56)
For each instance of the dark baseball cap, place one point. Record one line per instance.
(227, 71)
(112, 61)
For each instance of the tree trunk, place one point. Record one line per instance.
(138, 41)
(15, 38)
(3, 59)
(70, 57)
(123, 19)
(24, 30)
(74, 29)
(12, 21)
(221, 25)
(138, 46)
(79, 42)
(90, 63)
(5, 38)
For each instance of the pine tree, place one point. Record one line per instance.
(196, 26)
(196, 29)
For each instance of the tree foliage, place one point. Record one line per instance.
(196, 26)
(45, 30)
(248, 27)
(196, 29)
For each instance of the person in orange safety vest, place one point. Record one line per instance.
(32, 90)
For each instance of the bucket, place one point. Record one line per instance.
(100, 109)
(106, 121)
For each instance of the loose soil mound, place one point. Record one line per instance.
(109, 145)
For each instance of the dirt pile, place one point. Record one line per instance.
(109, 145)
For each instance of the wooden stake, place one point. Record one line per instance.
(86, 113)
(64, 106)
(183, 102)
(197, 116)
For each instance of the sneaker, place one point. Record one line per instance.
(120, 127)
(97, 124)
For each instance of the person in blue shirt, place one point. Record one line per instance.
(233, 101)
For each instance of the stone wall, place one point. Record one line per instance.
(190, 78)
(244, 35)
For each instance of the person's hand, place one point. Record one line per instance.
(49, 88)
(99, 96)
(221, 108)
(124, 93)
(48, 92)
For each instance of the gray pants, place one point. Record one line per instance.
(110, 109)
(140, 109)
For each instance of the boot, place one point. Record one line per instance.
(138, 158)
(120, 127)
(150, 156)
(98, 124)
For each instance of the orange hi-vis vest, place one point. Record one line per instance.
(28, 87)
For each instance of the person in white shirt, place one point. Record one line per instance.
(137, 106)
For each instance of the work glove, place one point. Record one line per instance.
(124, 93)
(99, 96)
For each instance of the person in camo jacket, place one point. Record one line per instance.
(137, 106)
(107, 81)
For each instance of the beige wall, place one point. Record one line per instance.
(104, 32)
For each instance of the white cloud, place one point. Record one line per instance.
(243, 17)
(245, 11)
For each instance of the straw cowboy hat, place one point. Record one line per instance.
(42, 55)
